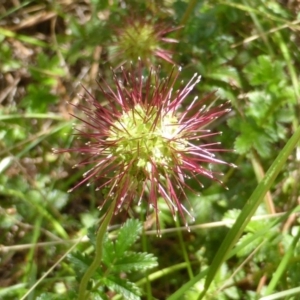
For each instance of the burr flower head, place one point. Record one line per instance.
(145, 142)
(142, 38)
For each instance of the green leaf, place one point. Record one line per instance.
(7, 63)
(70, 295)
(57, 198)
(246, 250)
(264, 71)
(259, 104)
(52, 296)
(109, 253)
(253, 136)
(97, 295)
(47, 296)
(135, 261)
(128, 234)
(123, 287)
(80, 261)
(283, 265)
(225, 74)
(38, 98)
(47, 69)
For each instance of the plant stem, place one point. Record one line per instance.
(98, 253)
(191, 6)
(184, 251)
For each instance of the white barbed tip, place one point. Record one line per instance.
(187, 227)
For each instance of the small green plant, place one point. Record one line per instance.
(117, 263)
(244, 242)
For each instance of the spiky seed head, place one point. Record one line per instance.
(146, 142)
(143, 38)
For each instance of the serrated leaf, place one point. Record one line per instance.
(97, 295)
(231, 215)
(259, 104)
(243, 145)
(255, 137)
(52, 296)
(32, 101)
(46, 296)
(52, 65)
(246, 250)
(80, 261)
(123, 287)
(109, 254)
(264, 70)
(128, 234)
(225, 74)
(135, 261)
(257, 225)
(253, 225)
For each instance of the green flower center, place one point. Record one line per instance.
(146, 137)
(138, 40)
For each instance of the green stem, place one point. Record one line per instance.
(249, 209)
(184, 251)
(191, 6)
(98, 253)
(148, 284)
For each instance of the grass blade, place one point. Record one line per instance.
(249, 209)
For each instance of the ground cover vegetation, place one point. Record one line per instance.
(101, 105)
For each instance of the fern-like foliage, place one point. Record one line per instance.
(117, 261)
(269, 105)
